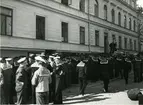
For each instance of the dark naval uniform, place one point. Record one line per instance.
(21, 85)
(137, 64)
(104, 67)
(126, 69)
(118, 67)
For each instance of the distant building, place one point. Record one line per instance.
(67, 25)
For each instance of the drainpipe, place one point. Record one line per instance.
(89, 26)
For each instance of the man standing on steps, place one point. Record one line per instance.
(81, 68)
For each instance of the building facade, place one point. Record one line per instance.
(67, 25)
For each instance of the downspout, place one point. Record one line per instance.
(139, 34)
(89, 26)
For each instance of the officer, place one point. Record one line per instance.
(104, 67)
(126, 68)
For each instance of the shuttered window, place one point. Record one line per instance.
(64, 32)
(82, 35)
(40, 27)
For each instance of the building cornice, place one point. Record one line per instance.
(112, 4)
(127, 5)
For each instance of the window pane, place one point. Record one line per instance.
(3, 25)
(82, 35)
(8, 26)
(6, 11)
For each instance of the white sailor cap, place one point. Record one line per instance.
(21, 60)
(57, 57)
(39, 58)
(8, 59)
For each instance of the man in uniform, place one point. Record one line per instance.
(104, 67)
(81, 69)
(21, 81)
(137, 63)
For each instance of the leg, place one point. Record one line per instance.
(39, 98)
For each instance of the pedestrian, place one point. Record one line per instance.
(59, 80)
(41, 80)
(21, 81)
(81, 69)
(104, 67)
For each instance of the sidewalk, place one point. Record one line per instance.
(94, 95)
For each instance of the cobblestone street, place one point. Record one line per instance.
(94, 94)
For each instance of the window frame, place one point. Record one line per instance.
(97, 37)
(113, 16)
(81, 28)
(105, 12)
(96, 8)
(119, 19)
(1, 14)
(81, 4)
(65, 38)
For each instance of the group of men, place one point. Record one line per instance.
(40, 79)
(31, 79)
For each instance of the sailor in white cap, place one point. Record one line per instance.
(21, 81)
(8, 81)
(41, 80)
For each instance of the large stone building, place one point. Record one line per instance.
(67, 25)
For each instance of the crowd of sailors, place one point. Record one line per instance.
(40, 79)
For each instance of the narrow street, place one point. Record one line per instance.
(94, 94)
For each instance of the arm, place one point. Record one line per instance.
(34, 79)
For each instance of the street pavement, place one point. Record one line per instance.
(94, 94)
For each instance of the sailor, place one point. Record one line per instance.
(41, 80)
(21, 81)
(137, 63)
(126, 68)
(104, 67)
(81, 69)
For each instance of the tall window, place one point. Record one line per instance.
(40, 27)
(82, 35)
(105, 12)
(119, 19)
(131, 46)
(113, 16)
(113, 37)
(96, 38)
(120, 42)
(135, 44)
(96, 8)
(65, 2)
(125, 21)
(64, 32)
(82, 5)
(5, 21)
(125, 42)
(134, 25)
(130, 23)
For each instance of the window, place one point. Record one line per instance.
(120, 42)
(125, 21)
(113, 37)
(135, 44)
(96, 8)
(96, 38)
(5, 21)
(82, 35)
(131, 46)
(119, 19)
(40, 27)
(65, 2)
(113, 16)
(105, 12)
(64, 32)
(125, 42)
(82, 5)
(130, 23)
(134, 25)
